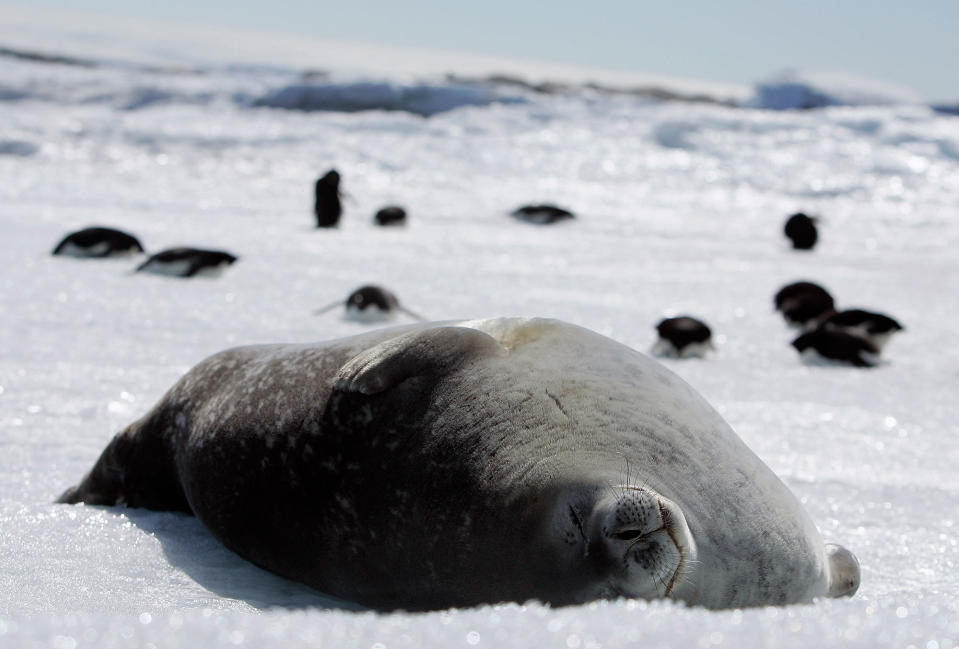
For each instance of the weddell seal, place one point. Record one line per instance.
(454, 464)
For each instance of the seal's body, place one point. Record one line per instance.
(454, 464)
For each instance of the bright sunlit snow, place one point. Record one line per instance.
(679, 210)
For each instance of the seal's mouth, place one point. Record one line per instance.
(682, 541)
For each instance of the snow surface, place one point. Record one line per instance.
(679, 210)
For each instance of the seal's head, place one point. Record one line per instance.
(617, 541)
(640, 540)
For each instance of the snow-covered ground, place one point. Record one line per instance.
(679, 210)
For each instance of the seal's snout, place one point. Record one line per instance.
(646, 540)
(843, 569)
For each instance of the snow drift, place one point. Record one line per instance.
(420, 99)
(808, 89)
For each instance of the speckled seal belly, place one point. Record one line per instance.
(453, 464)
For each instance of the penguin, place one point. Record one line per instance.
(98, 242)
(804, 304)
(801, 230)
(877, 328)
(541, 214)
(327, 206)
(837, 345)
(370, 303)
(683, 337)
(390, 215)
(186, 262)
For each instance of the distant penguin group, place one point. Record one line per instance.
(99, 242)
(854, 336)
(328, 207)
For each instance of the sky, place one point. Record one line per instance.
(737, 41)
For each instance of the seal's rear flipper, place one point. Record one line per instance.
(420, 353)
(103, 485)
(135, 469)
(843, 569)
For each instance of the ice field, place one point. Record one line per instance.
(679, 210)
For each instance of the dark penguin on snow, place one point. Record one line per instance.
(327, 206)
(98, 242)
(804, 304)
(826, 344)
(186, 262)
(877, 328)
(801, 230)
(390, 215)
(370, 303)
(683, 337)
(541, 214)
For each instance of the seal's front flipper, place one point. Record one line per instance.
(843, 570)
(420, 353)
